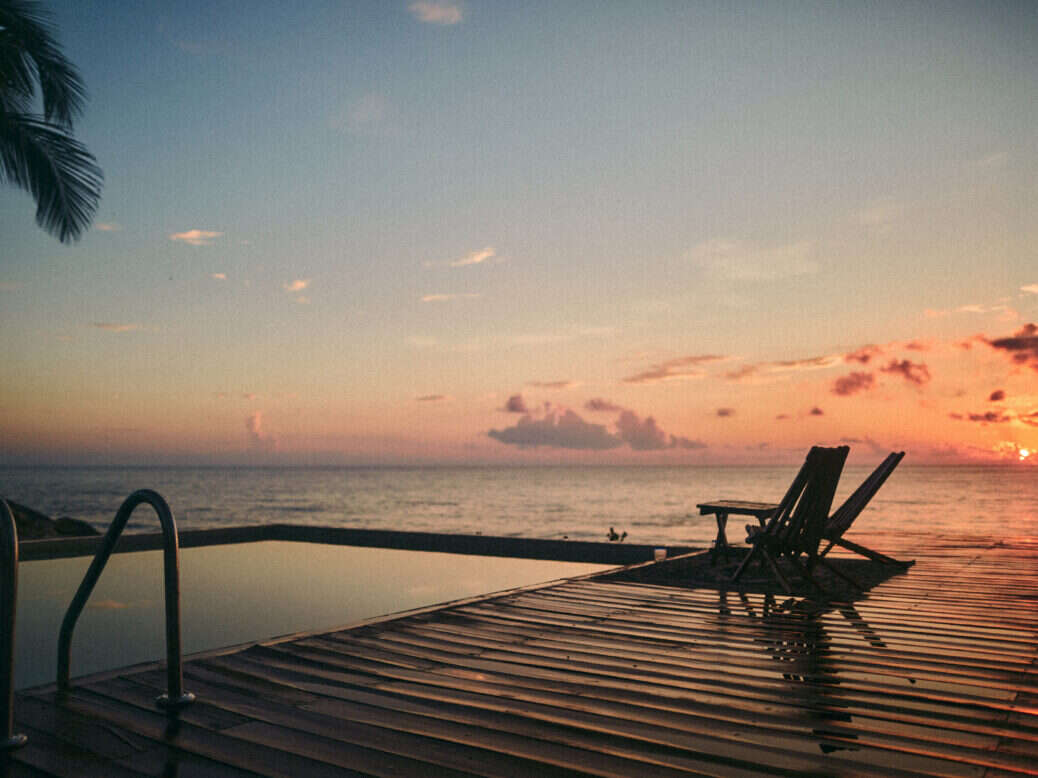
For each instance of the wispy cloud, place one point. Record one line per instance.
(218, 276)
(196, 237)
(432, 398)
(737, 260)
(298, 285)
(475, 257)
(442, 298)
(107, 227)
(1030, 288)
(554, 384)
(725, 412)
(680, 368)
(763, 371)
(259, 439)
(443, 13)
(115, 326)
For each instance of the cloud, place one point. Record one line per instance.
(913, 372)
(196, 237)
(875, 447)
(673, 369)
(1030, 418)
(597, 404)
(641, 434)
(863, 355)
(782, 417)
(988, 417)
(107, 227)
(816, 411)
(566, 430)
(114, 326)
(740, 261)
(474, 257)
(1030, 288)
(443, 13)
(1022, 346)
(515, 404)
(554, 384)
(298, 285)
(218, 276)
(844, 386)
(725, 412)
(431, 398)
(677, 441)
(997, 396)
(759, 369)
(915, 345)
(259, 440)
(441, 298)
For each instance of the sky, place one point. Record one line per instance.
(388, 232)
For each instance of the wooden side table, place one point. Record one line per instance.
(722, 509)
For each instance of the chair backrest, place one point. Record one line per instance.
(845, 515)
(797, 524)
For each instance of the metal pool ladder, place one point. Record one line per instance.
(8, 606)
(175, 697)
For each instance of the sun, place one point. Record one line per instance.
(1024, 454)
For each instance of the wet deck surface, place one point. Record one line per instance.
(933, 672)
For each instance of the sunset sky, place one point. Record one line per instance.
(391, 232)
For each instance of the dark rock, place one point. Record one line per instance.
(66, 525)
(33, 525)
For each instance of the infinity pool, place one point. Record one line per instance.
(240, 593)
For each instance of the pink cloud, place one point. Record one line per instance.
(997, 396)
(816, 411)
(554, 384)
(196, 237)
(725, 412)
(673, 369)
(431, 398)
(442, 13)
(259, 439)
(641, 434)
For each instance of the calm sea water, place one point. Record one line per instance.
(651, 504)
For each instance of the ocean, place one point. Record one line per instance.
(653, 505)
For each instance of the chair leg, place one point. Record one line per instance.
(778, 573)
(745, 562)
(868, 553)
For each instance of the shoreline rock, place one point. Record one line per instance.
(33, 525)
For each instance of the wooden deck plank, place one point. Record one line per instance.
(934, 671)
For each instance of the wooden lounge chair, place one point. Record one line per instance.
(794, 530)
(845, 515)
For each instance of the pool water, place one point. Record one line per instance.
(240, 593)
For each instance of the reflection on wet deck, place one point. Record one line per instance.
(933, 672)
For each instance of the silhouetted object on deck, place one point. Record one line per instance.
(613, 536)
(795, 529)
(845, 515)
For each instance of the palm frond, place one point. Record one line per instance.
(29, 54)
(59, 172)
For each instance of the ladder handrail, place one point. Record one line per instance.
(175, 697)
(8, 610)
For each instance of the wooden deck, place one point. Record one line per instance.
(934, 672)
